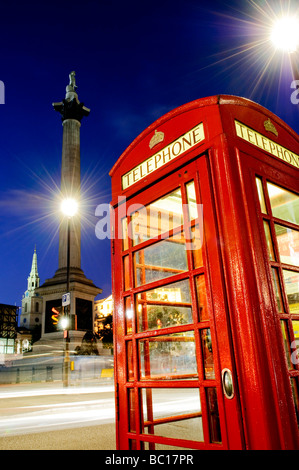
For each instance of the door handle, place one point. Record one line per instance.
(227, 383)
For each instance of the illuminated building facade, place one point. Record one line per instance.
(102, 308)
(8, 330)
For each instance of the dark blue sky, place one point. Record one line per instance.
(134, 61)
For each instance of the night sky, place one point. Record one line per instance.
(134, 61)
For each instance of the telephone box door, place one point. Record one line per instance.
(175, 376)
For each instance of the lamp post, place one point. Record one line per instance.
(69, 208)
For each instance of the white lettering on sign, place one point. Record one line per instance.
(266, 144)
(172, 151)
(66, 299)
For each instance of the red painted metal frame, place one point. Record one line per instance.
(231, 408)
(251, 343)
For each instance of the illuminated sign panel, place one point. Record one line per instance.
(266, 144)
(172, 151)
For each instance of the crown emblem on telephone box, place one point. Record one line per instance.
(269, 126)
(156, 139)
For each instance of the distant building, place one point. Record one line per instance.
(8, 328)
(32, 302)
(102, 308)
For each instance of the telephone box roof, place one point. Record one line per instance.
(218, 115)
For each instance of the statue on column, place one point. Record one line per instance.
(72, 80)
(70, 107)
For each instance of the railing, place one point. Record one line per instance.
(82, 369)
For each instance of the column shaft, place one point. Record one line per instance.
(70, 187)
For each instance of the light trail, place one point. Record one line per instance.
(101, 412)
(55, 391)
(36, 418)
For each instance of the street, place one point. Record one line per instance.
(49, 416)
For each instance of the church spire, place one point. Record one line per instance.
(33, 279)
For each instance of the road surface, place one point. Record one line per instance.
(52, 417)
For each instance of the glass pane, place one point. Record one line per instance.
(196, 246)
(131, 398)
(191, 197)
(161, 260)
(277, 289)
(168, 357)
(166, 447)
(294, 384)
(284, 204)
(2, 346)
(295, 343)
(202, 298)
(291, 280)
(130, 365)
(295, 324)
(269, 240)
(286, 342)
(157, 218)
(288, 244)
(174, 413)
(124, 226)
(260, 191)
(207, 351)
(164, 306)
(214, 421)
(129, 315)
(126, 272)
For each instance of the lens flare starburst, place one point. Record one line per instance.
(37, 209)
(257, 40)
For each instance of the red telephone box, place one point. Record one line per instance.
(205, 259)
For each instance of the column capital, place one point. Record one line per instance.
(71, 109)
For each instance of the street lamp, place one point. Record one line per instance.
(285, 34)
(69, 208)
(285, 37)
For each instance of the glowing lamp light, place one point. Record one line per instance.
(69, 207)
(285, 34)
(64, 323)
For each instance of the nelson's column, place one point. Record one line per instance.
(82, 290)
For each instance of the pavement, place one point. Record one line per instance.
(49, 416)
(85, 438)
